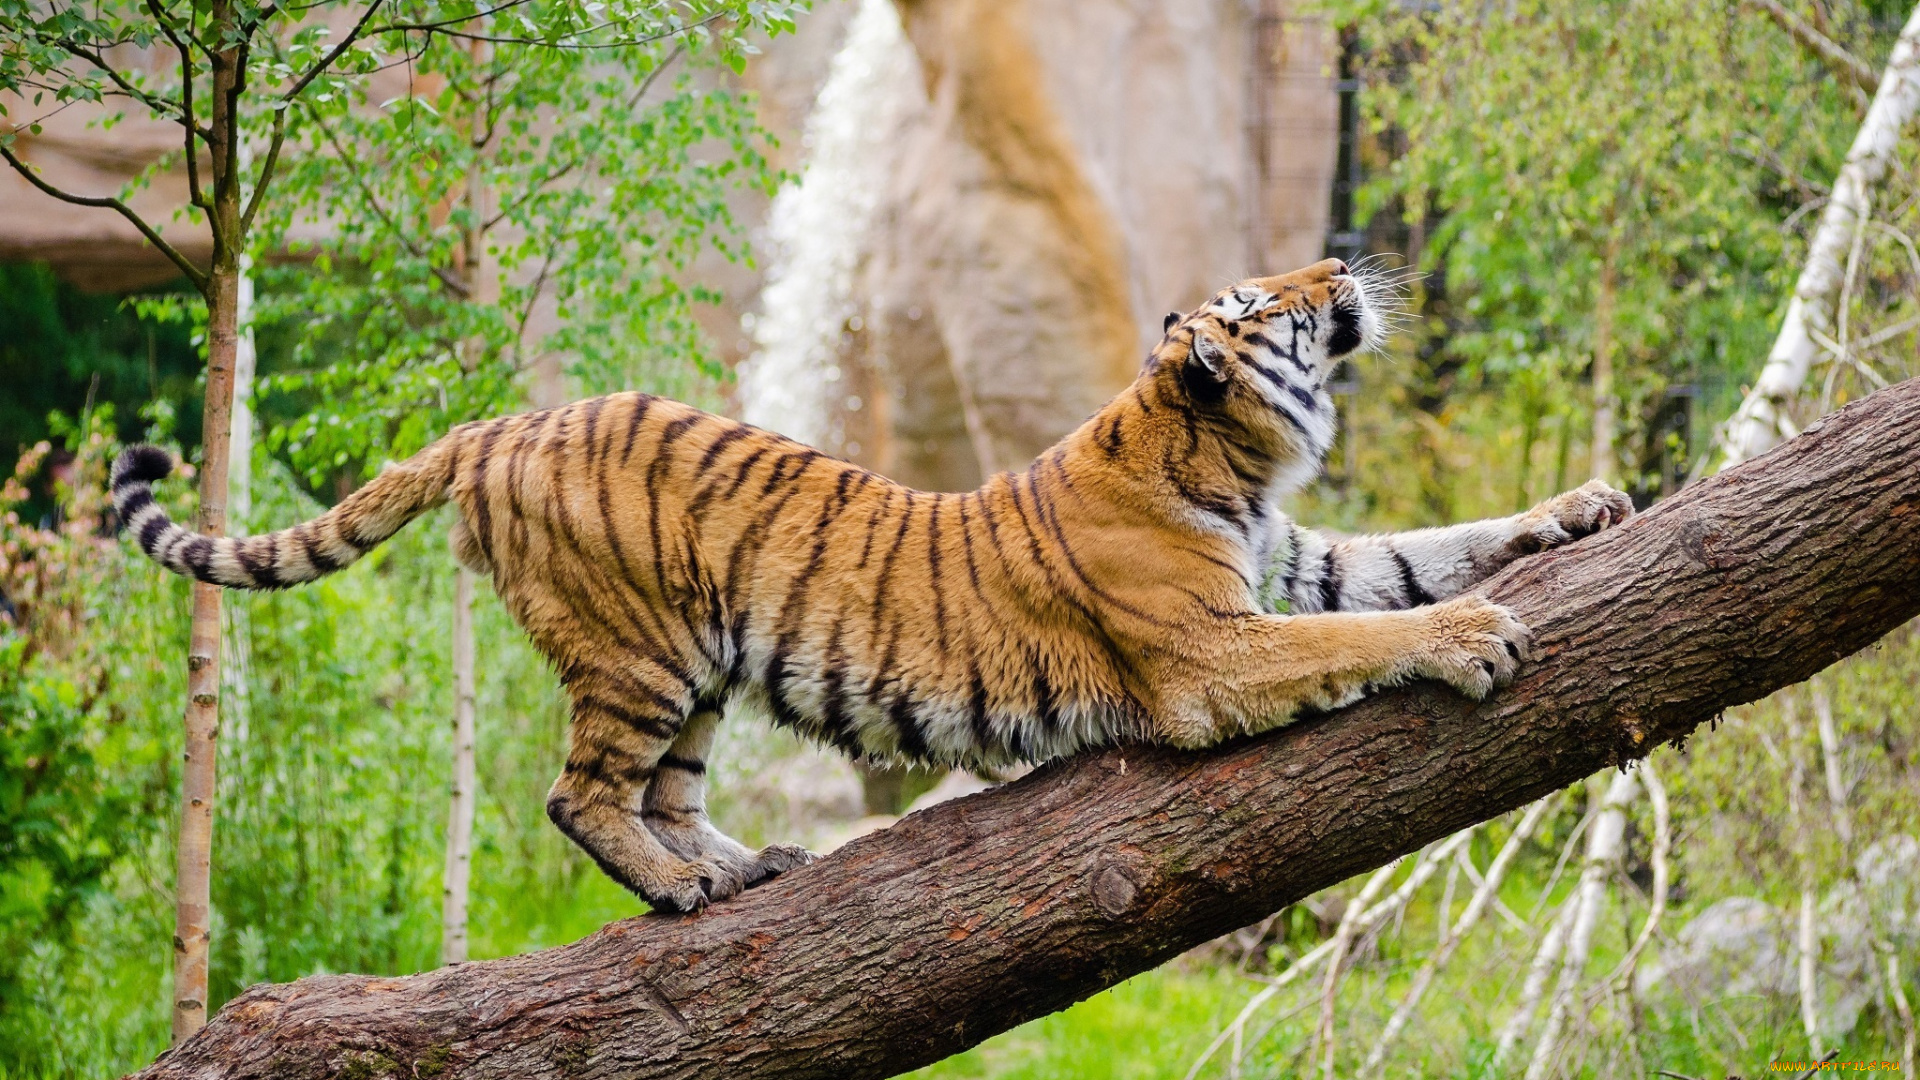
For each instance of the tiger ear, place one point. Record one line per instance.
(1167, 323)
(1206, 368)
(1209, 354)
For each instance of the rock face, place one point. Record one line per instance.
(97, 249)
(1054, 177)
(1743, 947)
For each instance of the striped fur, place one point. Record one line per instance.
(670, 562)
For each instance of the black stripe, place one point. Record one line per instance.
(1049, 516)
(881, 592)
(1293, 561)
(604, 497)
(977, 711)
(935, 577)
(586, 601)
(1409, 585)
(640, 410)
(1044, 708)
(1213, 503)
(600, 769)
(261, 570)
(727, 438)
(1329, 583)
(150, 532)
(322, 561)
(658, 727)
(198, 554)
(966, 543)
(873, 525)
(134, 501)
(656, 473)
(742, 470)
(806, 458)
(912, 741)
(685, 765)
(483, 517)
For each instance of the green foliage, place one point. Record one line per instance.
(515, 201)
(1622, 175)
(62, 347)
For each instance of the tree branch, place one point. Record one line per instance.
(961, 921)
(260, 186)
(1845, 66)
(194, 194)
(335, 53)
(560, 42)
(194, 273)
(450, 281)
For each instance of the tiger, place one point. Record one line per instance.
(1138, 583)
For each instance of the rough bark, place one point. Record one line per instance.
(966, 919)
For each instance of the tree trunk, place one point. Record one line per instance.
(1761, 421)
(966, 919)
(483, 287)
(453, 923)
(1605, 404)
(193, 868)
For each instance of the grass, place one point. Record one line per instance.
(1147, 1028)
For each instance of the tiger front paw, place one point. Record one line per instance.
(1475, 646)
(691, 886)
(1572, 515)
(776, 859)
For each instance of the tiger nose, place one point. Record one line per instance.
(1340, 268)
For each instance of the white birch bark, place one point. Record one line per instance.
(1761, 422)
(1889, 960)
(458, 874)
(1605, 842)
(483, 287)
(1806, 937)
(1342, 938)
(1545, 958)
(1830, 759)
(1483, 898)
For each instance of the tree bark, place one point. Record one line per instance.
(193, 866)
(460, 794)
(976, 915)
(483, 287)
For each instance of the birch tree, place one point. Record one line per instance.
(513, 210)
(1601, 190)
(1813, 326)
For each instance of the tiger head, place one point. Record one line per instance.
(1260, 352)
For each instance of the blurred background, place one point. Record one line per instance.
(931, 236)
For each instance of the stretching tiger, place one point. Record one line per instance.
(668, 561)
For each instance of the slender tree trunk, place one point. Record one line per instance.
(453, 938)
(1807, 936)
(1606, 839)
(965, 919)
(1605, 407)
(238, 660)
(1762, 420)
(193, 885)
(482, 288)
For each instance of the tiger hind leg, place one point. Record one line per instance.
(615, 750)
(675, 811)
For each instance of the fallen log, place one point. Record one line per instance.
(976, 915)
